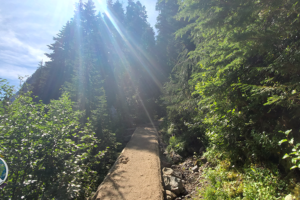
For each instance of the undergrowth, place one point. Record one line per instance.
(222, 180)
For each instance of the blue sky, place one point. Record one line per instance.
(28, 26)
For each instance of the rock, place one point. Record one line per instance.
(188, 163)
(176, 158)
(167, 171)
(173, 184)
(170, 195)
(177, 174)
(170, 172)
(195, 168)
(289, 197)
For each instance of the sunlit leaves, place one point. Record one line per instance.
(45, 153)
(285, 156)
(282, 141)
(247, 57)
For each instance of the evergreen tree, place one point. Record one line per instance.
(245, 81)
(136, 20)
(168, 47)
(179, 68)
(50, 77)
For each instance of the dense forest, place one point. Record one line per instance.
(222, 74)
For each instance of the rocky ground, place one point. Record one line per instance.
(181, 178)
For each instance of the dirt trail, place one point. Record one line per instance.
(136, 173)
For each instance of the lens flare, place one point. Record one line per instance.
(139, 54)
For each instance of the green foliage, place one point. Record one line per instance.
(238, 87)
(6, 93)
(178, 67)
(113, 51)
(73, 109)
(231, 85)
(49, 153)
(241, 69)
(182, 108)
(227, 182)
(168, 48)
(175, 145)
(294, 155)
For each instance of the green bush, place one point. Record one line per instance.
(49, 153)
(175, 145)
(294, 155)
(254, 182)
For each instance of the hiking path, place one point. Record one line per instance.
(136, 173)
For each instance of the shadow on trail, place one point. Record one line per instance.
(144, 139)
(113, 178)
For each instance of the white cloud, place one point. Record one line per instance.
(13, 72)
(14, 51)
(26, 28)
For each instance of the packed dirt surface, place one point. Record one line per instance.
(136, 174)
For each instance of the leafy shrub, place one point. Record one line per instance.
(6, 92)
(49, 153)
(295, 154)
(175, 145)
(240, 85)
(226, 182)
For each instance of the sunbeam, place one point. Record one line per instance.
(133, 47)
(132, 44)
